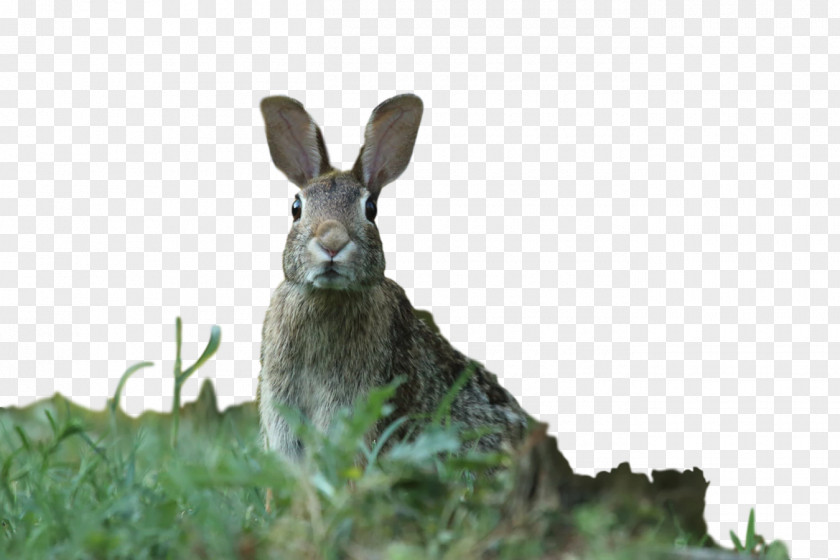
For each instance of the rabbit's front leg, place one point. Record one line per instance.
(277, 434)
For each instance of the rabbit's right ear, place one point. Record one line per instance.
(294, 140)
(389, 141)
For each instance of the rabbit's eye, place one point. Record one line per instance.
(296, 209)
(370, 210)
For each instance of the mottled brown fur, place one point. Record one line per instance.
(337, 327)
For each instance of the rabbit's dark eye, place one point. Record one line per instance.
(296, 205)
(370, 209)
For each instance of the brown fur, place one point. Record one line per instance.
(337, 327)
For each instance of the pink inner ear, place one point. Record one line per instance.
(304, 162)
(380, 143)
(294, 140)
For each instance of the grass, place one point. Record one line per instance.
(82, 484)
(755, 545)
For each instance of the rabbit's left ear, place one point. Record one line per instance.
(294, 140)
(389, 141)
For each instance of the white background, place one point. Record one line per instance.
(631, 215)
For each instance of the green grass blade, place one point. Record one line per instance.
(51, 420)
(24, 439)
(92, 444)
(181, 377)
(70, 430)
(445, 406)
(749, 544)
(178, 329)
(176, 395)
(212, 346)
(736, 541)
(380, 442)
(4, 474)
(128, 373)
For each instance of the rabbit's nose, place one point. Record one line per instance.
(332, 237)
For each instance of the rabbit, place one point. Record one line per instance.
(337, 327)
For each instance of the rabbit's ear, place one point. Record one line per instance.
(389, 141)
(294, 140)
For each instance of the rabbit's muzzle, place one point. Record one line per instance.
(332, 256)
(332, 237)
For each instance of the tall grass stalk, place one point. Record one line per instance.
(182, 376)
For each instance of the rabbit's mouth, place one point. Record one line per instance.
(331, 278)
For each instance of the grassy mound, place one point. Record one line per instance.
(76, 483)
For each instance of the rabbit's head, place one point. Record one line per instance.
(334, 242)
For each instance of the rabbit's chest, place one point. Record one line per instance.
(320, 364)
(320, 355)
(319, 384)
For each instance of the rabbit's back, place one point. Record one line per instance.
(432, 366)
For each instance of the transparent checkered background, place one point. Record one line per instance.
(631, 216)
